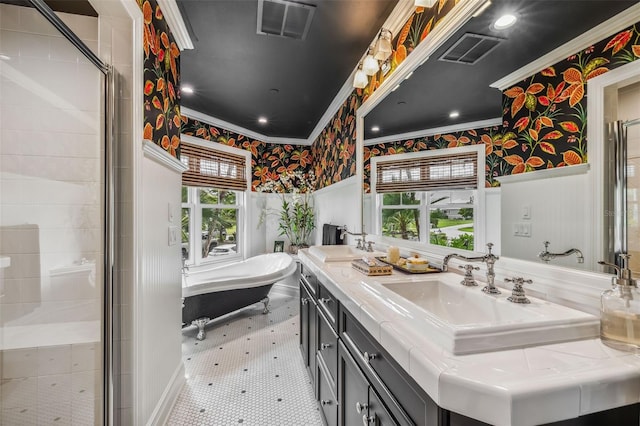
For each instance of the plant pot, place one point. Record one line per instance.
(293, 248)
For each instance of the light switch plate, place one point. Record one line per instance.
(526, 212)
(173, 235)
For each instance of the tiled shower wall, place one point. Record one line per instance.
(50, 99)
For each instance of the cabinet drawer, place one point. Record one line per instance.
(327, 399)
(328, 346)
(310, 280)
(405, 399)
(328, 304)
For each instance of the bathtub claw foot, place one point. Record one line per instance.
(200, 323)
(266, 305)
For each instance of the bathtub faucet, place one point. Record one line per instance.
(546, 255)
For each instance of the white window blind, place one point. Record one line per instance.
(457, 171)
(212, 168)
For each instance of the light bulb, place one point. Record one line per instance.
(360, 79)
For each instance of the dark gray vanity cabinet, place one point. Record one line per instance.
(359, 403)
(357, 382)
(308, 320)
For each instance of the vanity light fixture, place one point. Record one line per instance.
(370, 66)
(186, 89)
(383, 48)
(375, 129)
(360, 79)
(425, 3)
(262, 120)
(454, 114)
(504, 22)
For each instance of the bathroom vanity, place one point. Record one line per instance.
(376, 358)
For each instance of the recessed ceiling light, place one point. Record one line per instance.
(375, 129)
(505, 21)
(402, 103)
(4, 57)
(262, 120)
(274, 91)
(454, 114)
(187, 89)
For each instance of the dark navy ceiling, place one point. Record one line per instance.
(437, 88)
(239, 75)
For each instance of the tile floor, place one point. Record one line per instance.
(248, 370)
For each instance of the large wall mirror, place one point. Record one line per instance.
(521, 92)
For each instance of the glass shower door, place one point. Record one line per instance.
(52, 222)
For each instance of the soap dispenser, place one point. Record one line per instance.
(620, 310)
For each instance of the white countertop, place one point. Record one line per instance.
(517, 387)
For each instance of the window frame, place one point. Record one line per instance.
(242, 204)
(425, 225)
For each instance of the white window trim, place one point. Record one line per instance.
(244, 206)
(480, 208)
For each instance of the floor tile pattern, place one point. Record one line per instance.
(248, 370)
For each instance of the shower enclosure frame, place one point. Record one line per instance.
(108, 198)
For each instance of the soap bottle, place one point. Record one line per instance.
(620, 310)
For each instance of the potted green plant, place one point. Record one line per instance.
(296, 217)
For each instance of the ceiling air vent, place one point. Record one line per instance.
(470, 48)
(284, 18)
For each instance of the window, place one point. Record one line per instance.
(211, 220)
(429, 197)
(213, 201)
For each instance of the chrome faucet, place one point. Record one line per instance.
(546, 255)
(361, 243)
(489, 258)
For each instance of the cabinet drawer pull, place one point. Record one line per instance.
(325, 402)
(368, 420)
(304, 300)
(368, 357)
(324, 346)
(361, 407)
(324, 300)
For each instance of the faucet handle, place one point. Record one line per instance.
(468, 280)
(546, 245)
(517, 294)
(369, 246)
(359, 243)
(489, 246)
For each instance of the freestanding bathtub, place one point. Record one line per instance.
(214, 292)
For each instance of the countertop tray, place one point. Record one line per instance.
(429, 270)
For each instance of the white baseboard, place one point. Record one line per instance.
(168, 399)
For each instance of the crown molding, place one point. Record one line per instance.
(240, 130)
(436, 131)
(160, 156)
(578, 169)
(172, 15)
(620, 21)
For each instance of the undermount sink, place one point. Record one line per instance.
(465, 320)
(340, 253)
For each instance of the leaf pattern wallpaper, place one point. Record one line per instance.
(545, 116)
(161, 80)
(334, 150)
(268, 161)
(491, 137)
